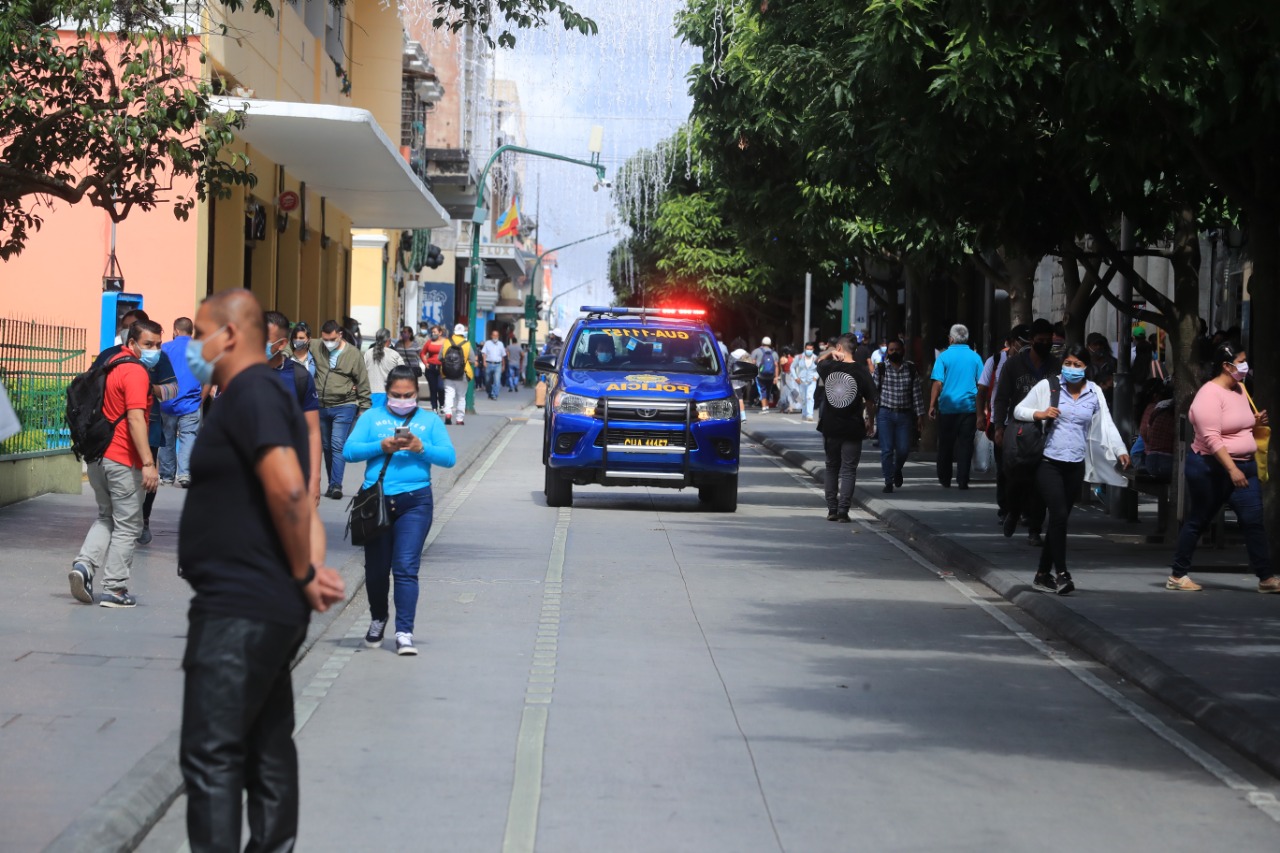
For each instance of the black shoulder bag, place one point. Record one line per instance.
(369, 518)
(1024, 442)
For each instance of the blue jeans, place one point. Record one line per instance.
(1208, 488)
(894, 429)
(179, 438)
(493, 378)
(335, 426)
(513, 377)
(398, 554)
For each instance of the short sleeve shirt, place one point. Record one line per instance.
(958, 369)
(128, 387)
(845, 389)
(228, 547)
(289, 376)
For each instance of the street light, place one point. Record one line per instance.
(531, 375)
(480, 215)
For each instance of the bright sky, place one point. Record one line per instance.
(630, 80)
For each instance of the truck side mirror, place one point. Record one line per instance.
(743, 371)
(545, 363)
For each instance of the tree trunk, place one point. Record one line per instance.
(1185, 326)
(1264, 348)
(1020, 284)
(1077, 293)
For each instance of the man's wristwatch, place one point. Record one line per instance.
(310, 576)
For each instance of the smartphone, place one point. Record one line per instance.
(402, 432)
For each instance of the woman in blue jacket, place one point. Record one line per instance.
(397, 554)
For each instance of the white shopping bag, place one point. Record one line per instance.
(984, 458)
(9, 425)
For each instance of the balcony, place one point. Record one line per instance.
(452, 178)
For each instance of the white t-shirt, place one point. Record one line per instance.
(493, 351)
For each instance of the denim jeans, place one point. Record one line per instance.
(237, 733)
(1159, 466)
(1058, 484)
(179, 438)
(894, 429)
(807, 392)
(1209, 486)
(843, 455)
(493, 378)
(955, 441)
(396, 556)
(513, 377)
(435, 383)
(335, 426)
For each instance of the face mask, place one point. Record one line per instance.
(201, 369)
(808, 352)
(331, 345)
(301, 345)
(895, 357)
(604, 357)
(401, 407)
(149, 357)
(1072, 375)
(1239, 371)
(270, 346)
(883, 350)
(1042, 348)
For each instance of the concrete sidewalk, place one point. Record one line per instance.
(93, 696)
(1209, 655)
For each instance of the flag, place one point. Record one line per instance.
(509, 222)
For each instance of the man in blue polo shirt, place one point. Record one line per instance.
(953, 402)
(180, 417)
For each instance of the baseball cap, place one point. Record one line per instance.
(459, 329)
(1139, 331)
(766, 341)
(1020, 332)
(558, 332)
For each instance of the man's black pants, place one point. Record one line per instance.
(843, 455)
(955, 441)
(237, 733)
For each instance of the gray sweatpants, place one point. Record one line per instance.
(455, 397)
(111, 540)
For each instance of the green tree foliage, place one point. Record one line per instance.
(116, 113)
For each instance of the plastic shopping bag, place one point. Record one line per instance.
(984, 458)
(9, 425)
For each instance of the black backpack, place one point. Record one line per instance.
(1024, 442)
(453, 364)
(91, 432)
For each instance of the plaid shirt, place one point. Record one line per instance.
(1157, 429)
(899, 387)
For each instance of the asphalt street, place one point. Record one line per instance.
(637, 674)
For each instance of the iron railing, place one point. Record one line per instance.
(37, 363)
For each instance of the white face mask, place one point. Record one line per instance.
(332, 345)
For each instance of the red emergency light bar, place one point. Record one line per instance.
(641, 312)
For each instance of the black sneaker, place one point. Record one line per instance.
(843, 517)
(832, 516)
(888, 488)
(404, 644)
(144, 538)
(1045, 582)
(897, 479)
(1034, 540)
(1010, 524)
(81, 579)
(117, 598)
(373, 637)
(1065, 585)
(335, 493)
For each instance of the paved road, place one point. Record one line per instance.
(634, 674)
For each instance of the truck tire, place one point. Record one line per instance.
(559, 490)
(724, 495)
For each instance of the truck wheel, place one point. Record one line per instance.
(559, 490)
(724, 495)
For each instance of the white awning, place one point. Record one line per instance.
(342, 154)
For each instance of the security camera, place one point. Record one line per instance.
(598, 184)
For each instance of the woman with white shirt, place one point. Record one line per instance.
(1081, 443)
(379, 360)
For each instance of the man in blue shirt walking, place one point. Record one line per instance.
(180, 416)
(953, 402)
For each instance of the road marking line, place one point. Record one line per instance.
(531, 743)
(1264, 801)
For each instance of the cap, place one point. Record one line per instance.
(459, 329)
(1139, 331)
(766, 341)
(1020, 332)
(558, 332)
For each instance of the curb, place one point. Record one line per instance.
(122, 817)
(1239, 729)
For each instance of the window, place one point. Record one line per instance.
(667, 350)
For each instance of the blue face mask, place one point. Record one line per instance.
(200, 368)
(149, 357)
(604, 357)
(1072, 375)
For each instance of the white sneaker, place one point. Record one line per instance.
(404, 644)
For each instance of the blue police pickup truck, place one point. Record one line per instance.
(642, 397)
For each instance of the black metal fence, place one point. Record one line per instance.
(37, 362)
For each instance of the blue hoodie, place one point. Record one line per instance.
(409, 471)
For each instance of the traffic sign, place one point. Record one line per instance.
(289, 201)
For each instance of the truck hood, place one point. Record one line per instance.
(642, 385)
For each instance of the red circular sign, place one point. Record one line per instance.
(289, 201)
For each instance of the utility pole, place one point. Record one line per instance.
(808, 305)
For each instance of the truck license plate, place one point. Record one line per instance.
(644, 442)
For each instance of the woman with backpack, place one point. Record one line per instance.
(406, 441)
(1081, 443)
(379, 360)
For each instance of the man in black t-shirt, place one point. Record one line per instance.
(848, 412)
(250, 543)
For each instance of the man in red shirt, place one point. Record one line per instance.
(123, 475)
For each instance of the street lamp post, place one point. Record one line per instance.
(481, 214)
(531, 375)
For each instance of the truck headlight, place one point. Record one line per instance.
(574, 404)
(718, 410)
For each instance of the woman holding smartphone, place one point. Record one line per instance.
(408, 441)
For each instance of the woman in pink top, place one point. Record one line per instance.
(1221, 470)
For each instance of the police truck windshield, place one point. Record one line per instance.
(671, 350)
